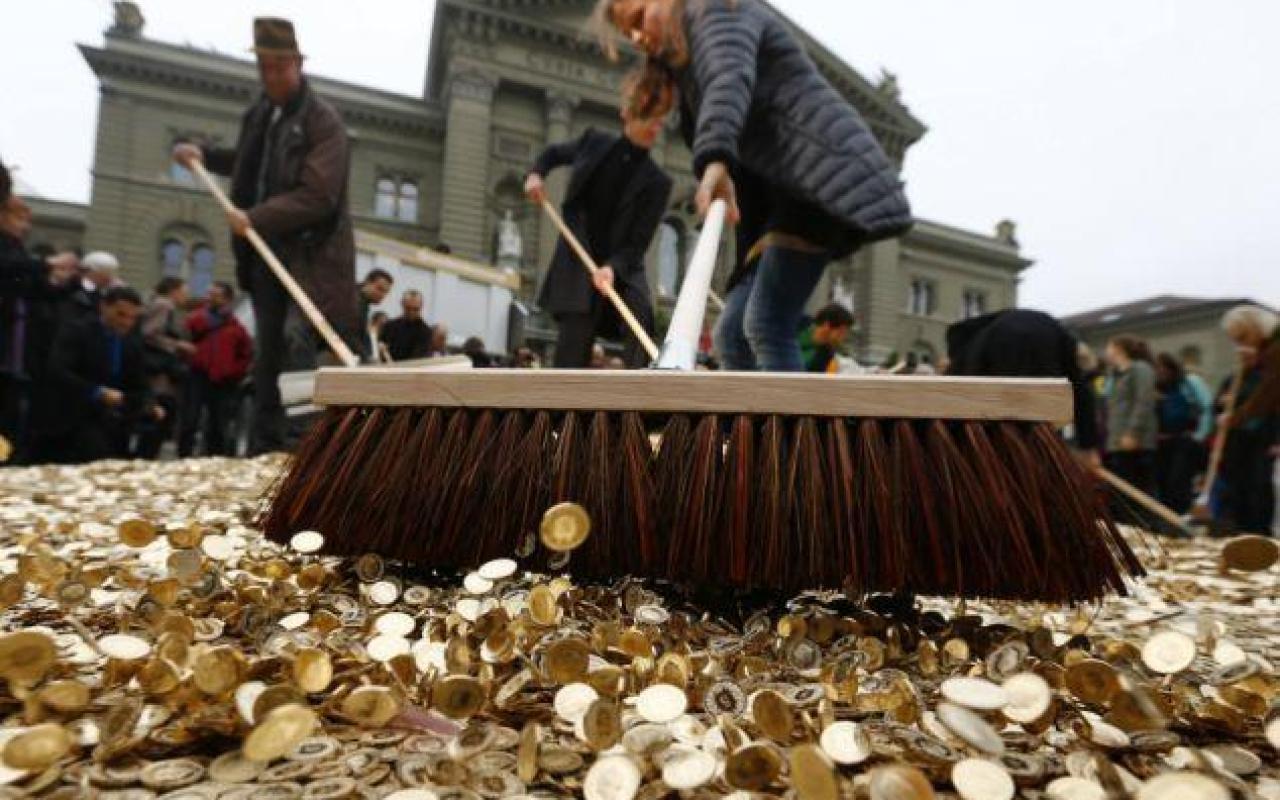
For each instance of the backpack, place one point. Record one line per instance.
(1180, 409)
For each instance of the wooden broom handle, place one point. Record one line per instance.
(299, 296)
(637, 330)
(1142, 498)
(1220, 443)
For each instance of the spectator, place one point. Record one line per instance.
(1204, 398)
(439, 340)
(598, 358)
(224, 352)
(1178, 416)
(820, 342)
(29, 288)
(473, 349)
(524, 358)
(168, 352)
(373, 290)
(1253, 431)
(101, 271)
(99, 369)
(409, 336)
(1131, 414)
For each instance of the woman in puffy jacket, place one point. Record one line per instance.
(803, 176)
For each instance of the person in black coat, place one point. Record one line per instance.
(799, 168)
(1020, 343)
(614, 204)
(99, 369)
(408, 337)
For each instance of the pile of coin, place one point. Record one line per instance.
(152, 644)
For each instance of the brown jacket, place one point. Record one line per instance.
(1264, 401)
(305, 216)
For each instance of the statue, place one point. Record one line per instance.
(888, 85)
(129, 20)
(510, 243)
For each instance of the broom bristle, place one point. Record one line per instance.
(968, 509)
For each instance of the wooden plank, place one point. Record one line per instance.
(704, 392)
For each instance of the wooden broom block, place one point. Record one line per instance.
(660, 391)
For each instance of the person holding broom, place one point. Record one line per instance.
(289, 182)
(799, 168)
(614, 204)
(1253, 428)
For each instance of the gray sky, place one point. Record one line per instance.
(1134, 142)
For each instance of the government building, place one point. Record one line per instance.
(444, 170)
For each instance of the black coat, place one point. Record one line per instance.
(407, 339)
(567, 288)
(21, 274)
(1020, 343)
(25, 278)
(81, 363)
(751, 97)
(305, 217)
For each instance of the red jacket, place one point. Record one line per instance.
(224, 349)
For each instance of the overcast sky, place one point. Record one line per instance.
(1134, 142)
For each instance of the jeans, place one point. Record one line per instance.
(759, 327)
(578, 332)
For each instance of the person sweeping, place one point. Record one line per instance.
(804, 177)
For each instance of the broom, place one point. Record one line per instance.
(1202, 511)
(787, 482)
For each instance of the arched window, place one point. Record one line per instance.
(203, 261)
(408, 202)
(669, 245)
(385, 199)
(173, 258)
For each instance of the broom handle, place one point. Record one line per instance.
(299, 296)
(680, 351)
(1220, 443)
(1142, 498)
(637, 330)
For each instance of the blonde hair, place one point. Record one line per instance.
(650, 90)
(1250, 317)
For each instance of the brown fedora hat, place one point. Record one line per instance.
(273, 36)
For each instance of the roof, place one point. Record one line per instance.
(1160, 306)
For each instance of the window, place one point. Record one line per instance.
(974, 305)
(922, 298)
(203, 261)
(180, 174)
(396, 198)
(185, 253)
(408, 202)
(669, 260)
(173, 258)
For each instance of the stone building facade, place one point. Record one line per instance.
(504, 79)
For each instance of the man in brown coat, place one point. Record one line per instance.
(289, 183)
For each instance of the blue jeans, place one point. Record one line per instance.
(759, 328)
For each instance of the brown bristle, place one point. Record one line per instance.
(963, 508)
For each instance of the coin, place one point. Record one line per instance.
(26, 656)
(899, 783)
(572, 701)
(1169, 652)
(1183, 786)
(306, 542)
(813, 776)
(66, 697)
(662, 703)
(219, 670)
(612, 778)
(753, 767)
(498, 570)
(976, 779)
(37, 748)
(847, 743)
(970, 728)
(1092, 681)
(165, 776)
(1029, 698)
(602, 725)
(123, 647)
(1074, 788)
(458, 697)
(1251, 553)
(279, 732)
(374, 706)
(233, 767)
(565, 527)
(312, 670)
(567, 660)
(975, 693)
(137, 533)
(772, 715)
(725, 698)
(412, 794)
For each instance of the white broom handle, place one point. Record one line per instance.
(299, 296)
(680, 351)
(637, 330)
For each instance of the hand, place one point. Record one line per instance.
(157, 413)
(717, 184)
(603, 279)
(112, 398)
(1129, 443)
(185, 154)
(239, 222)
(1091, 459)
(63, 267)
(535, 188)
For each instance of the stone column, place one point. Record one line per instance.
(881, 299)
(560, 107)
(469, 115)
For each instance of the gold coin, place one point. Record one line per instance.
(565, 527)
(555, 760)
(219, 671)
(159, 676)
(602, 725)
(753, 768)
(899, 783)
(6, 450)
(612, 778)
(12, 589)
(1092, 681)
(1251, 553)
(772, 715)
(371, 706)
(312, 670)
(65, 697)
(233, 767)
(267, 699)
(458, 697)
(370, 568)
(279, 733)
(187, 537)
(26, 656)
(1169, 652)
(527, 752)
(137, 533)
(38, 748)
(566, 660)
(813, 776)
